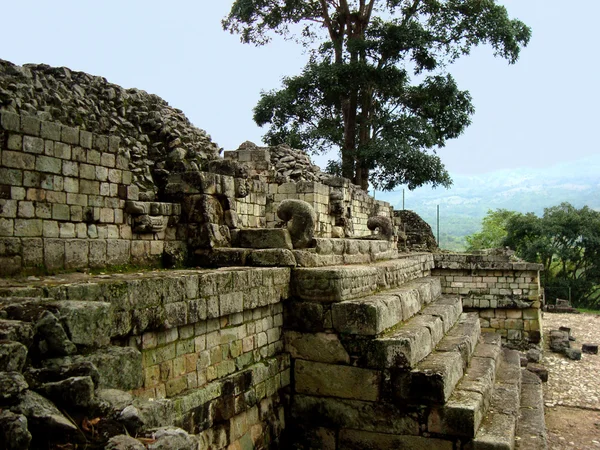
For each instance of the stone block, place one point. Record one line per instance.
(33, 252)
(460, 416)
(352, 414)
(314, 378)
(69, 135)
(50, 130)
(319, 347)
(432, 381)
(276, 257)
(360, 440)
(48, 164)
(8, 208)
(76, 254)
(30, 125)
(12, 356)
(85, 139)
(118, 367)
(10, 121)
(18, 160)
(28, 227)
(87, 323)
(265, 238)
(33, 145)
(11, 177)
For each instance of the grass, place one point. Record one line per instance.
(588, 311)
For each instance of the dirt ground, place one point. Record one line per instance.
(572, 394)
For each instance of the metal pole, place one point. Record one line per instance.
(438, 224)
(402, 199)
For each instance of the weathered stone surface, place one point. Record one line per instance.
(118, 367)
(303, 219)
(361, 440)
(531, 426)
(12, 356)
(124, 442)
(16, 330)
(53, 338)
(271, 258)
(11, 385)
(403, 348)
(447, 309)
(573, 353)
(497, 432)
(367, 316)
(88, 323)
(459, 416)
(350, 382)
(265, 238)
(114, 399)
(171, 438)
(539, 370)
(42, 415)
(57, 372)
(319, 347)
(463, 337)
(75, 391)
(383, 224)
(359, 415)
(432, 381)
(14, 434)
(590, 349)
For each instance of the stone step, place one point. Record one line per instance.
(403, 346)
(339, 283)
(433, 379)
(498, 427)
(337, 251)
(531, 427)
(372, 315)
(463, 411)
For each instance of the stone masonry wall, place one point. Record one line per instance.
(336, 201)
(67, 201)
(211, 344)
(506, 293)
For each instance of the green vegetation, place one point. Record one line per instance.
(357, 91)
(493, 230)
(566, 240)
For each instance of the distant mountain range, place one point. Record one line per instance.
(525, 190)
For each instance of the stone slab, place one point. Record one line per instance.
(265, 238)
(339, 381)
(432, 381)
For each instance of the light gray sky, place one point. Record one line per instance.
(538, 112)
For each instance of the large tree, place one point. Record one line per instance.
(566, 240)
(376, 85)
(493, 230)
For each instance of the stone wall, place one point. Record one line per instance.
(284, 173)
(199, 349)
(67, 201)
(506, 293)
(153, 133)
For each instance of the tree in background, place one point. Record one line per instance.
(356, 92)
(493, 230)
(566, 240)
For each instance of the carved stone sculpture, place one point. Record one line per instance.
(384, 224)
(303, 219)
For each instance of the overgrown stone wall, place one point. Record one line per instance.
(506, 293)
(152, 133)
(199, 349)
(284, 173)
(67, 201)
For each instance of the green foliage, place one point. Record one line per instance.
(566, 240)
(493, 230)
(356, 92)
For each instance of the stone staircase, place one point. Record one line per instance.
(382, 360)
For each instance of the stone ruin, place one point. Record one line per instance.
(157, 296)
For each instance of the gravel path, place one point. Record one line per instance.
(572, 393)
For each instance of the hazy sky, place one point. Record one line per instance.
(540, 111)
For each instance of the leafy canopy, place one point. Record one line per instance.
(375, 85)
(493, 230)
(566, 240)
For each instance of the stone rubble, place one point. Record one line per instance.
(151, 131)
